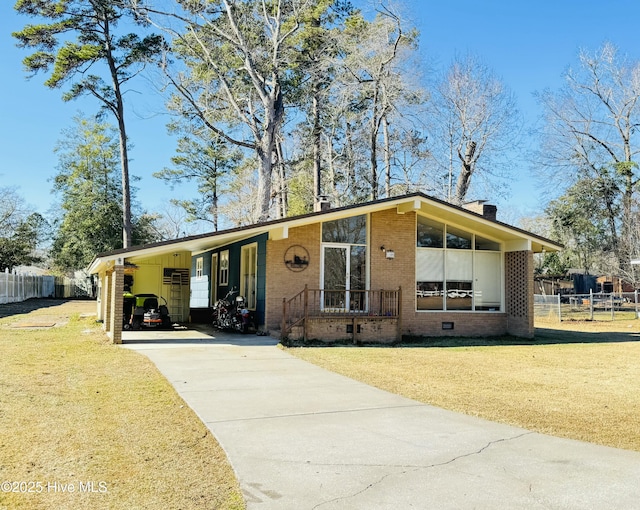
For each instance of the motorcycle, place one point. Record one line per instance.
(229, 313)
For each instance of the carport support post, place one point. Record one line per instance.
(117, 292)
(107, 302)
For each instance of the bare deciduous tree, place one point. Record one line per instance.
(591, 132)
(237, 55)
(474, 126)
(373, 84)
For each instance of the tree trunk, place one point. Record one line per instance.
(282, 184)
(316, 137)
(118, 110)
(266, 143)
(126, 188)
(464, 179)
(387, 156)
(331, 168)
(213, 185)
(373, 140)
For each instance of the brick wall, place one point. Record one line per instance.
(519, 293)
(463, 323)
(116, 283)
(108, 301)
(396, 232)
(357, 330)
(281, 281)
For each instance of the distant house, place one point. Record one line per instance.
(372, 272)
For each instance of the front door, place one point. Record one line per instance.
(344, 277)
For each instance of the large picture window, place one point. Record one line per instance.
(455, 269)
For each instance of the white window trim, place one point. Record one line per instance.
(244, 249)
(473, 251)
(223, 262)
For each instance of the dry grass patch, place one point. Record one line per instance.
(569, 383)
(75, 409)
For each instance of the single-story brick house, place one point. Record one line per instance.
(377, 271)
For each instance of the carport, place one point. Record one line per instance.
(163, 269)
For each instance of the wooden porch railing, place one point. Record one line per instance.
(324, 303)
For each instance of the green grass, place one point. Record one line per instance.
(76, 409)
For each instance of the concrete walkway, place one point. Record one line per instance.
(300, 437)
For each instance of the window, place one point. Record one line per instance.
(224, 268)
(347, 230)
(458, 239)
(459, 273)
(430, 279)
(199, 267)
(248, 271)
(455, 269)
(487, 281)
(430, 233)
(344, 264)
(486, 244)
(429, 295)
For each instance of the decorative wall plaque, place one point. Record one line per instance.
(296, 258)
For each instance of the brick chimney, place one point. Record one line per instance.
(321, 204)
(488, 211)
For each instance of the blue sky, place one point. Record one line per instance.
(527, 44)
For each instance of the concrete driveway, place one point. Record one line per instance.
(300, 437)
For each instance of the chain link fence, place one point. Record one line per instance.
(594, 306)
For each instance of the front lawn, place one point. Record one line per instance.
(579, 380)
(86, 424)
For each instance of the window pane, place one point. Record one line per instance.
(429, 295)
(488, 281)
(459, 265)
(358, 278)
(430, 265)
(430, 233)
(486, 244)
(358, 268)
(458, 239)
(347, 230)
(335, 268)
(334, 278)
(459, 295)
(224, 267)
(248, 278)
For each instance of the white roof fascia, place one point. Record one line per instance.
(513, 238)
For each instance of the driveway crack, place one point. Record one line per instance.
(430, 466)
(477, 452)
